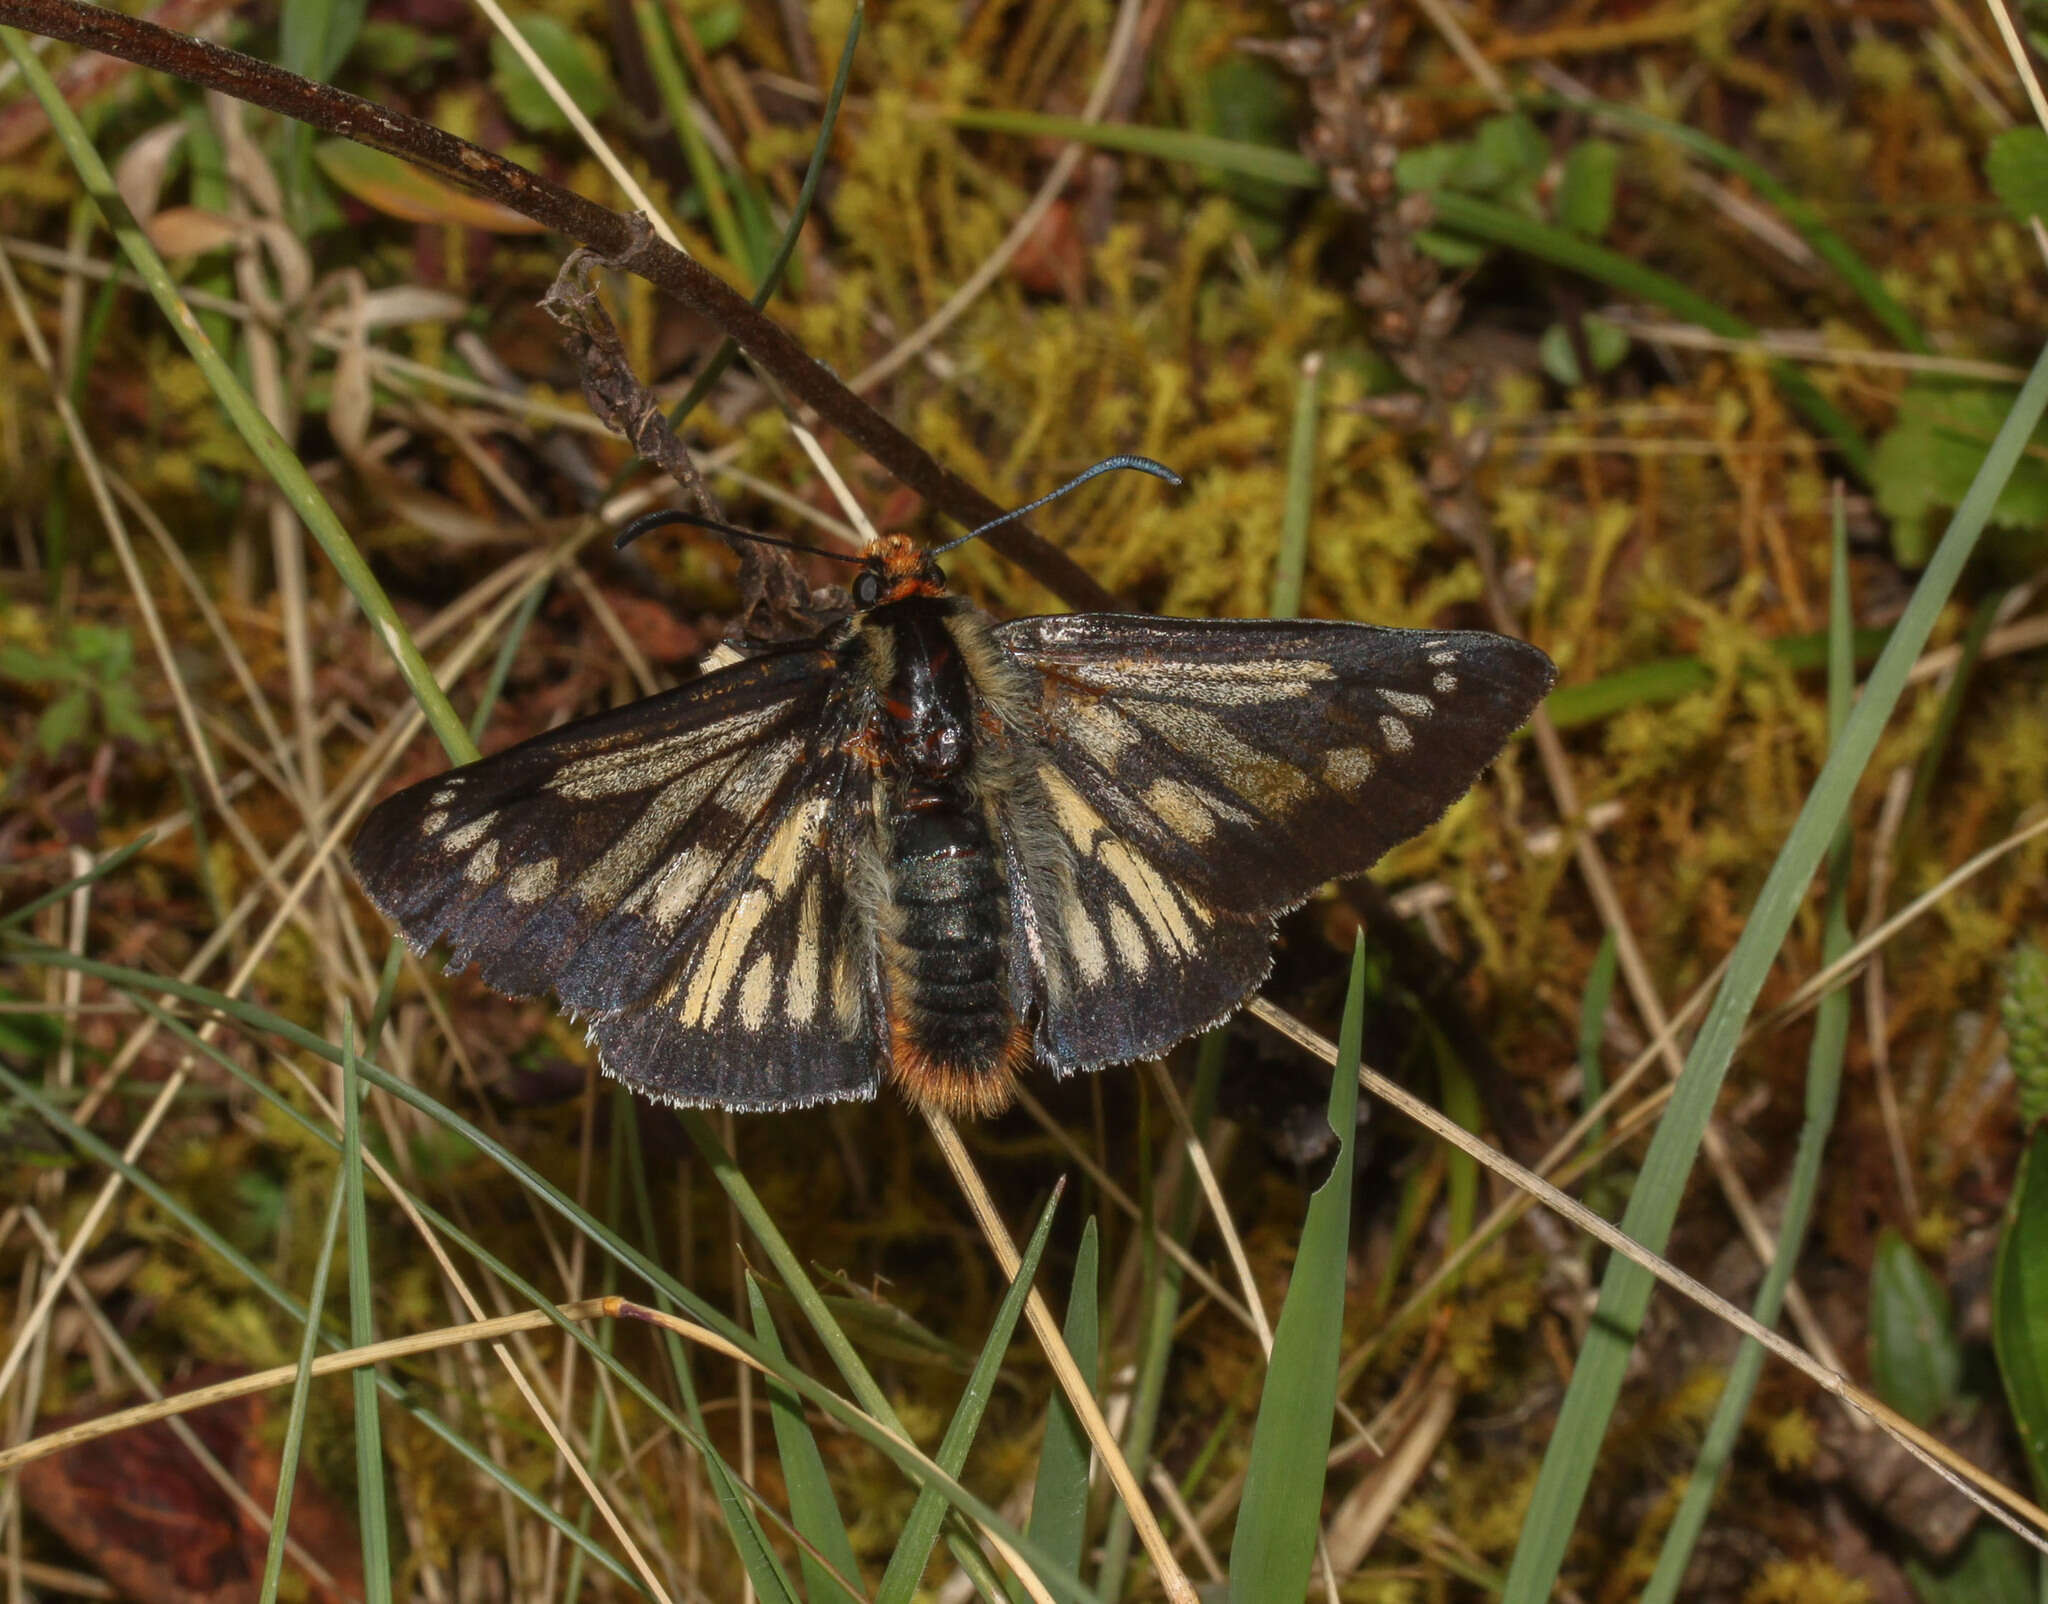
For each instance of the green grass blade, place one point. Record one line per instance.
(672, 83)
(268, 446)
(1823, 1092)
(921, 1530)
(2019, 1306)
(1273, 1548)
(295, 1420)
(883, 1435)
(1625, 1289)
(1301, 491)
(362, 1331)
(1059, 1503)
(1167, 144)
(812, 1507)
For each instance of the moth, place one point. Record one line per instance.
(933, 848)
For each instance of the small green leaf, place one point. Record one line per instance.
(1916, 1363)
(1994, 1567)
(1585, 191)
(2017, 169)
(566, 54)
(2019, 1306)
(1274, 1546)
(64, 721)
(387, 49)
(717, 25)
(1925, 462)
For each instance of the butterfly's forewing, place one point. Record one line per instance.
(592, 859)
(1210, 774)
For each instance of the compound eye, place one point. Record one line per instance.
(867, 588)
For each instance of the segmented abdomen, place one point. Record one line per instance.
(955, 1039)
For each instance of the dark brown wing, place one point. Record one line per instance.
(1210, 774)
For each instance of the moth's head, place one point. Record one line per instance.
(896, 568)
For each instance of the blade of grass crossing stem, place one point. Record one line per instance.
(812, 1507)
(362, 1331)
(1273, 1548)
(885, 1435)
(1301, 489)
(201, 1232)
(1823, 1091)
(295, 1420)
(1059, 1501)
(921, 1530)
(700, 387)
(674, 86)
(263, 440)
(1163, 1278)
(1625, 1288)
(15, 917)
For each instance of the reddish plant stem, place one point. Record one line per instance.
(626, 241)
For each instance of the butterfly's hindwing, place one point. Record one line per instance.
(774, 1004)
(1201, 777)
(1253, 759)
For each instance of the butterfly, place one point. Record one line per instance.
(933, 848)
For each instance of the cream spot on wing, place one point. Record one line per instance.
(845, 988)
(1130, 945)
(1445, 684)
(1443, 657)
(783, 856)
(800, 1002)
(483, 864)
(443, 797)
(1207, 742)
(1411, 704)
(531, 881)
(1181, 808)
(755, 778)
(650, 763)
(719, 963)
(1270, 679)
(756, 991)
(463, 839)
(1084, 941)
(607, 881)
(1395, 733)
(1099, 730)
(1347, 767)
(1437, 640)
(676, 893)
(434, 823)
(1150, 893)
(1081, 823)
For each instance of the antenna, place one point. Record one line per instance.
(647, 523)
(1158, 470)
